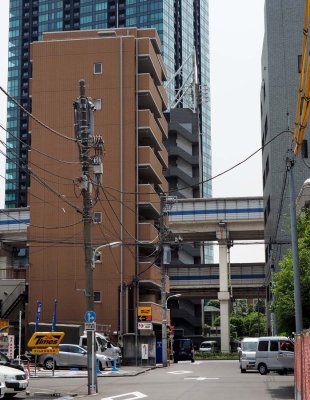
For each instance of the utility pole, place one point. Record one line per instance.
(294, 236)
(165, 203)
(83, 115)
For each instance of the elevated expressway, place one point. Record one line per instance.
(223, 220)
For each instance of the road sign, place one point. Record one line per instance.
(90, 326)
(144, 311)
(90, 316)
(45, 339)
(47, 350)
(145, 325)
(144, 318)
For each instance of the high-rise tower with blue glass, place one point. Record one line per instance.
(182, 25)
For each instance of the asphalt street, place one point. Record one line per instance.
(220, 380)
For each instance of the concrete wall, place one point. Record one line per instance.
(131, 356)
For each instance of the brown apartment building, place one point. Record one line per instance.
(124, 75)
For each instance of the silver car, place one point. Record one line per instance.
(72, 356)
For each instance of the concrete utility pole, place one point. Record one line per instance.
(86, 140)
(165, 203)
(294, 236)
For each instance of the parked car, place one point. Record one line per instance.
(14, 379)
(2, 390)
(183, 349)
(274, 353)
(247, 354)
(210, 346)
(4, 360)
(72, 355)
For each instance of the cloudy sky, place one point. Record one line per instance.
(236, 37)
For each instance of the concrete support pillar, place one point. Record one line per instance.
(223, 294)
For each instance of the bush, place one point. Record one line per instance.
(201, 355)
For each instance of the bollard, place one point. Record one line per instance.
(97, 367)
(114, 369)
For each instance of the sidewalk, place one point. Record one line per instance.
(77, 373)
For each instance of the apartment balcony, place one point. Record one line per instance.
(163, 157)
(150, 133)
(164, 186)
(150, 276)
(148, 233)
(148, 61)
(163, 124)
(150, 168)
(149, 98)
(156, 310)
(163, 95)
(149, 202)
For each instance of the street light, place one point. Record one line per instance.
(173, 295)
(91, 349)
(112, 244)
(164, 329)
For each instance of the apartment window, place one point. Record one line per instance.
(98, 104)
(266, 127)
(97, 297)
(98, 68)
(267, 166)
(97, 217)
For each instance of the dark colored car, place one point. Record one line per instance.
(183, 349)
(4, 360)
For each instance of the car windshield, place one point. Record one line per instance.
(205, 345)
(185, 344)
(249, 346)
(3, 358)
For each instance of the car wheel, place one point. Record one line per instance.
(49, 363)
(175, 360)
(192, 360)
(9, 395)
(262, 369)
(243, 370)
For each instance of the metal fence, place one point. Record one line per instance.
(302, 366)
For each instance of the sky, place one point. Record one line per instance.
(236, 38)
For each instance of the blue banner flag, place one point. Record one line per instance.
(54, 317)
(39, 308)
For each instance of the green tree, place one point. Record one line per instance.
(283, 282)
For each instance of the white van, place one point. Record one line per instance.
(274, 353)
(210, 346)
(247, 354)
(103, 346)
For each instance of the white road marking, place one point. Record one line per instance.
(137, 395)
(180, 372)
(200, 378)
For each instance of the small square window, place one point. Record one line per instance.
(97, 68)
(97, 217)
(98, 104)
(97, 297)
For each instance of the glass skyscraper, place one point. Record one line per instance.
(181, 24)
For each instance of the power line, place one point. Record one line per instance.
(35, 118)
(36, 150)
